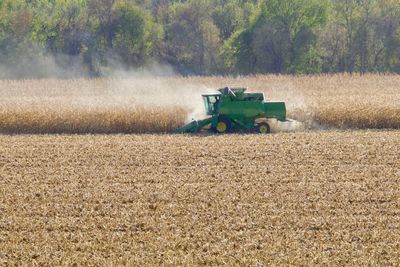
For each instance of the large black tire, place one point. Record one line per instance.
(224, 125)
(263, 128)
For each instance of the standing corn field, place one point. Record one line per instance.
(154, 105)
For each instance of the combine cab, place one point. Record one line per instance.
(234, 109)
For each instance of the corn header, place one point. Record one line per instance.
(234, 109)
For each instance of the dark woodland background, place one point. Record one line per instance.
(41, 38)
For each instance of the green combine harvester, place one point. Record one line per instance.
(234, 110)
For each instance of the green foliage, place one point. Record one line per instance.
(228, 18)
(204, 36)
(192, 38)
(281, 37)
(15, 27)
(134, 34)
(360, 36)
(227, 55)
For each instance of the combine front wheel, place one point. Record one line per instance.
(224, 125)
(263, 128)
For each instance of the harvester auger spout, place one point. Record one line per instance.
(233, 109)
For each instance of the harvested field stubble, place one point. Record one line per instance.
(155, 105)
(327, 198)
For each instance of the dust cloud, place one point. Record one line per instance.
(152, 100)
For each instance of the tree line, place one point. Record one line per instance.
(204, 37)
